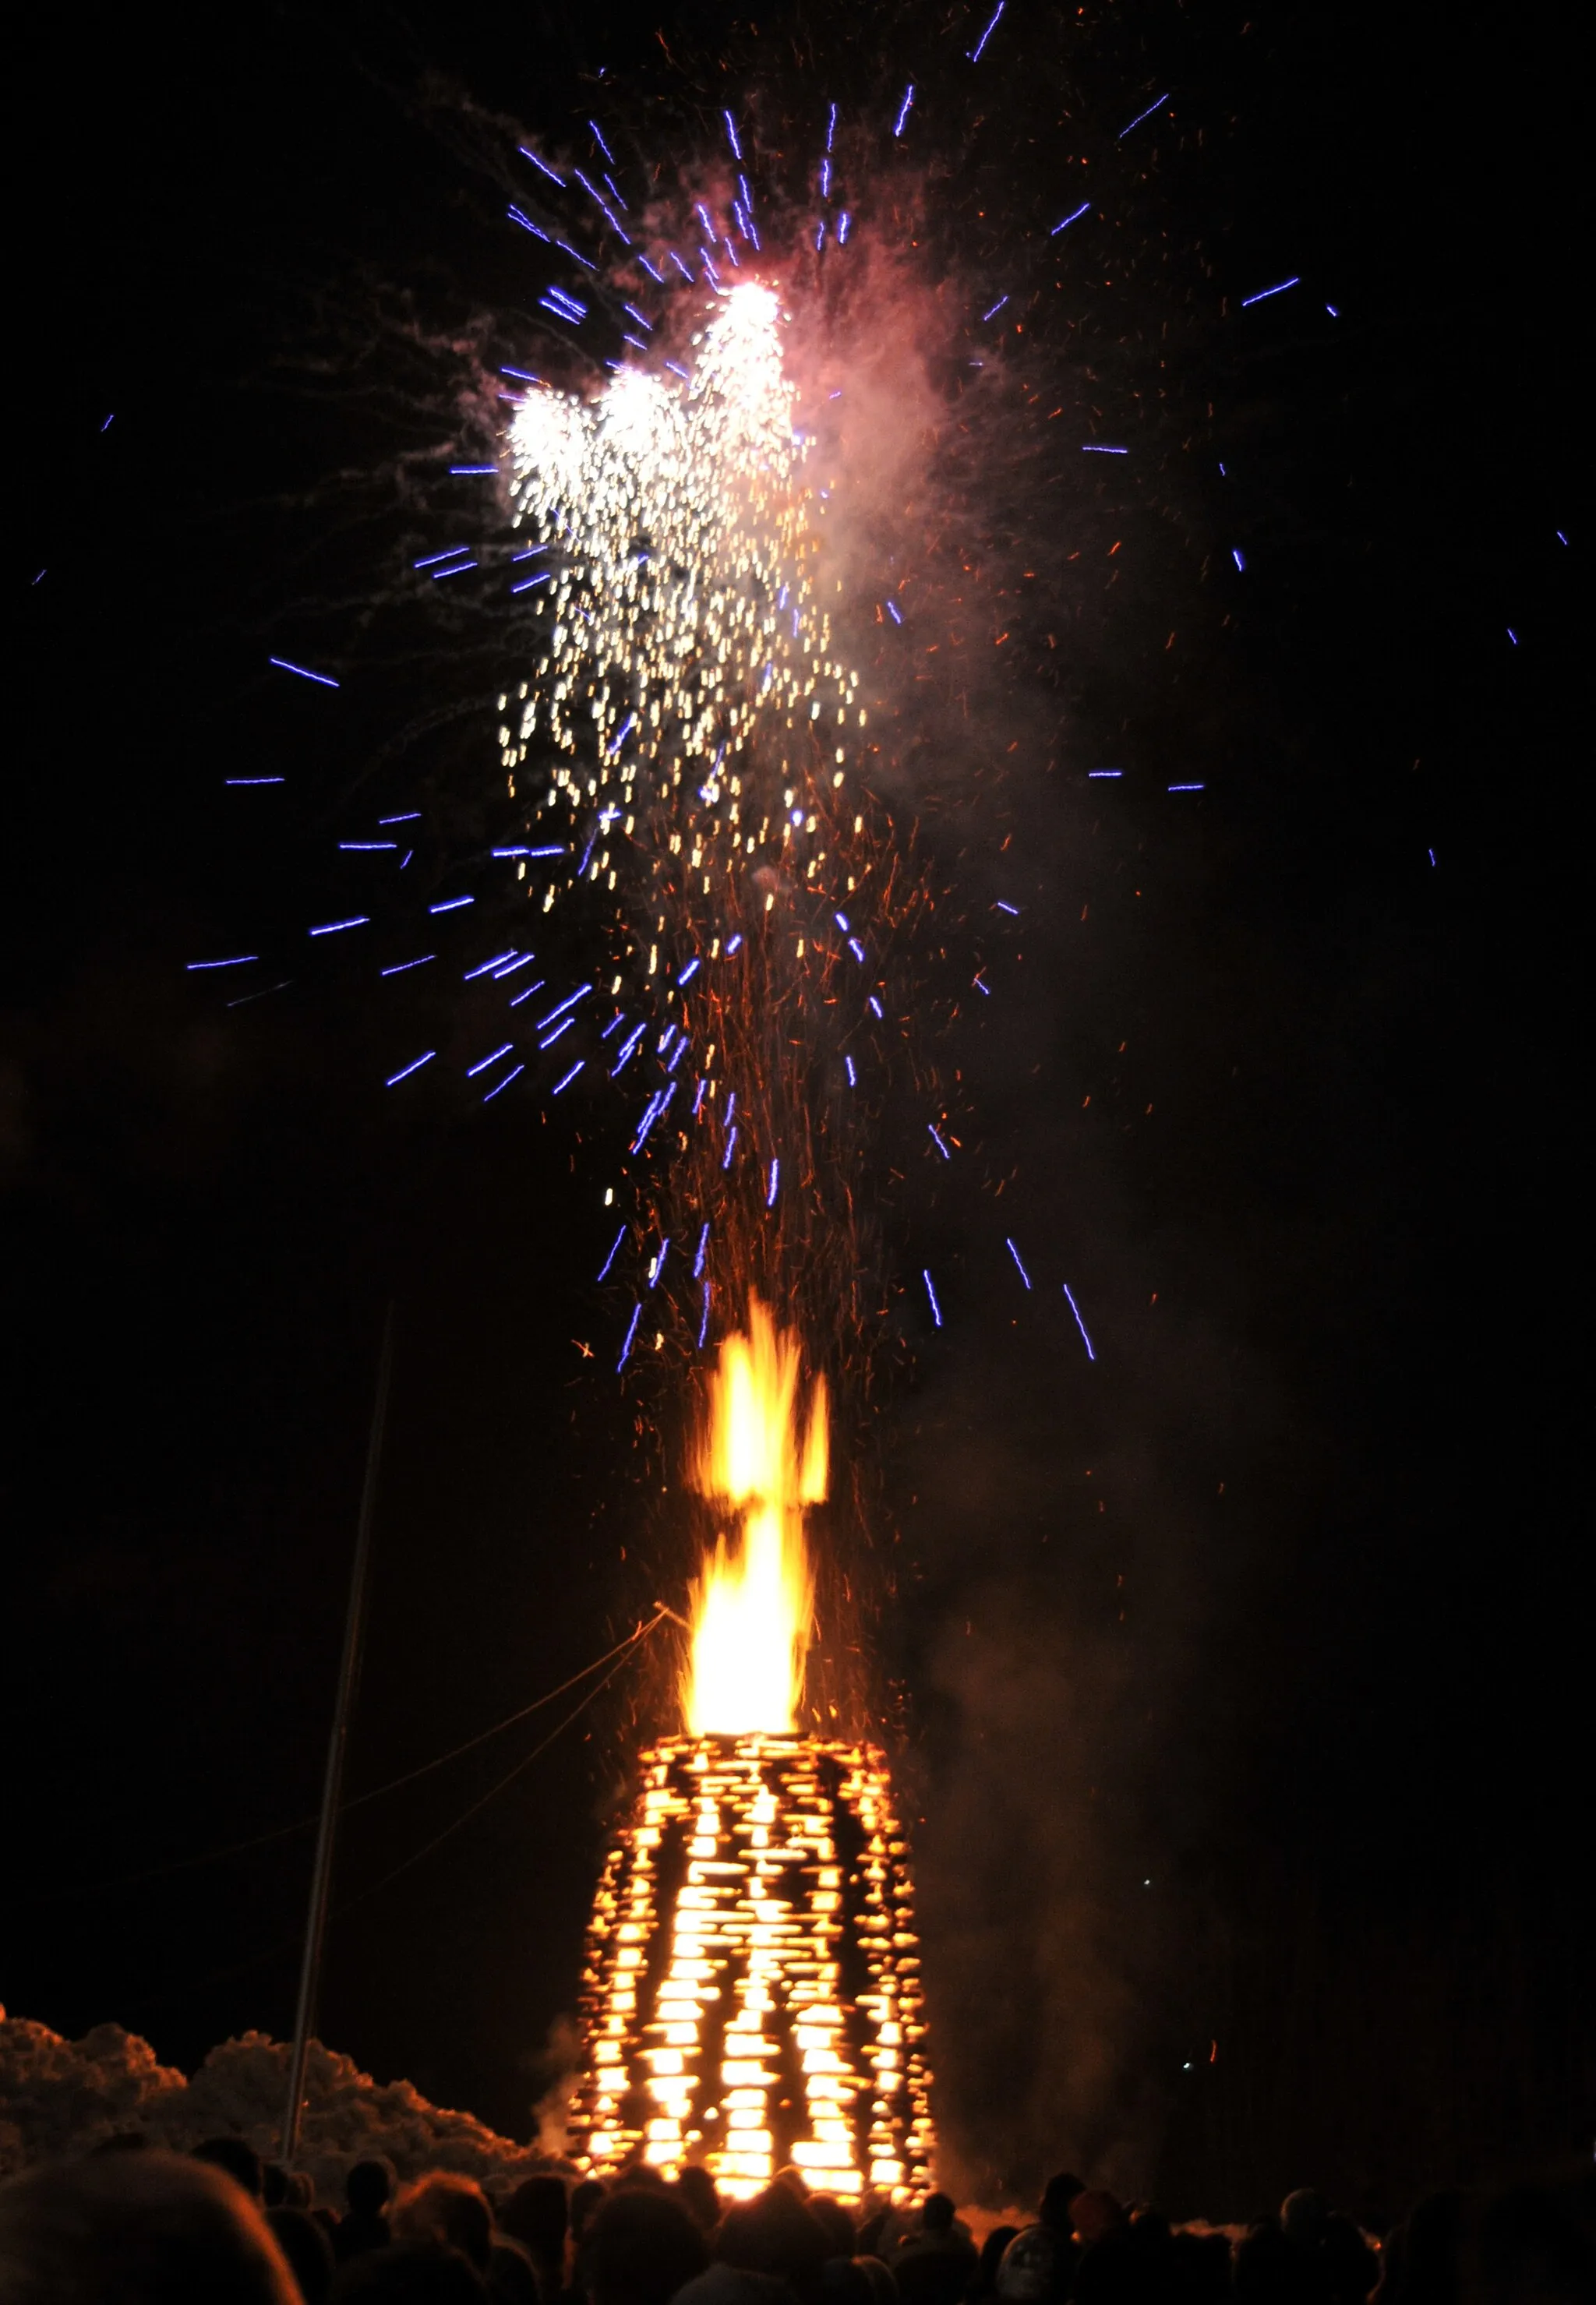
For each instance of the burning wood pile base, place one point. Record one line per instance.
(753, 1995)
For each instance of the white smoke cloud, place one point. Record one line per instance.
(60, 2096)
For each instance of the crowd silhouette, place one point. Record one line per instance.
(129, 2224)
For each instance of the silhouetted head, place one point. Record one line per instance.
(537, 2216)
(876, 2270)
(1537, 2243)
(1058, 2199)
(367, 2188)
(835, 2223)
(642, 2177)
(1303, 2214)
(936, 2214)
(137, 2229)
(639, 2249)
(410, 2273)
(307, 2248)
(1036, 2265)
(448, 2209)
(991, 2257)
(1270, 2270)
(699, 2196)
(1350, 2267)
(774, 2234)
(240, 2160)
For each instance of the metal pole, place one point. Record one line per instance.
(332, 1791)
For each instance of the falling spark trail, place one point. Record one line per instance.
(1019, 1267)
(986, 36)
(1278, 289)
(1079, 1323)
(1140, 116)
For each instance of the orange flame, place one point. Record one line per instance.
(754, 1608)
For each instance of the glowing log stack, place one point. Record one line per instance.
(752, 1997)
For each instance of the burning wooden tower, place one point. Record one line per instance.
(753, 1994)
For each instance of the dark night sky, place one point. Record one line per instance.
(1307, 1647)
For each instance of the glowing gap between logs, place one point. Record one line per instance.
(752, 1994)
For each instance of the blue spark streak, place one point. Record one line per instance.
(614, 1250)
(637, 1315)
(331, 928)
(581, 993)
(986, 36)
(904, 111)
(931, 1293)
(1079, 1323)
(1073, 216)
(322, 679)
(1278, 289)
(1140, 116)
(393, 1080)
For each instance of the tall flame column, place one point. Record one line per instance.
(753, 1994)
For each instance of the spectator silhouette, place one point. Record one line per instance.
(1200, 2268)
(936, 2265)
(444, 2207)
(364, 2226)
(538, 2216)
(1055, 2209)
(1269, 2269)
(699, 2196)
(880, 2275)
(1036, 2268)
(835, 2223)
(240, 2160)
(137, 2229)
(410, 2273)
(307, 2248)
(984, 2285)
(776, 2234)
(1537, 2244)
(455, 2210)
(641, 2248)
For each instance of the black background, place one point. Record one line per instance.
(1344, 1726)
